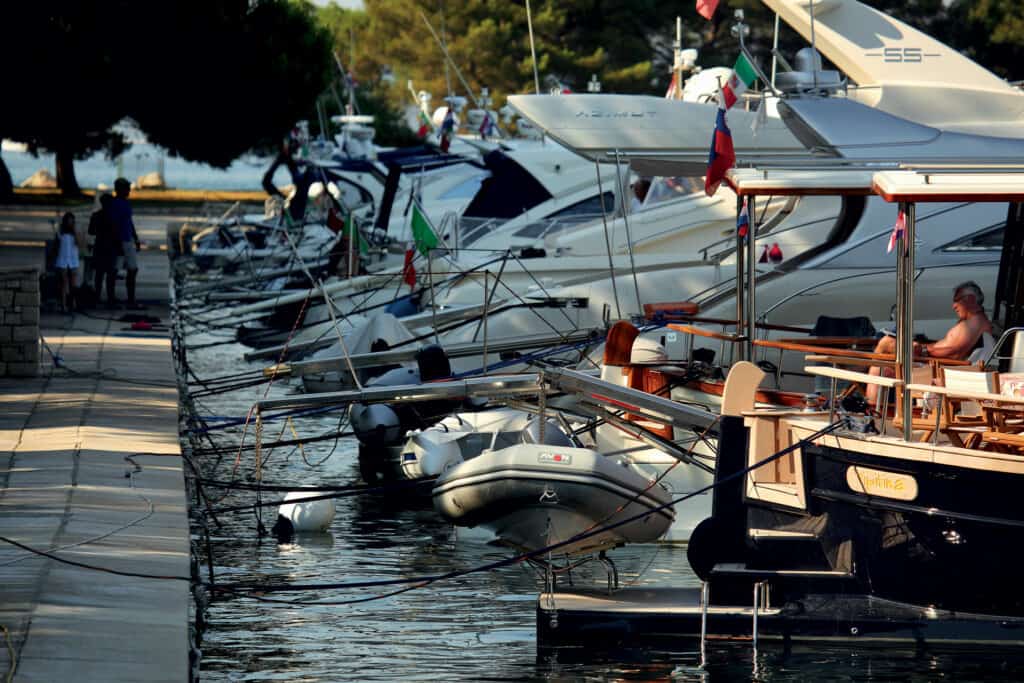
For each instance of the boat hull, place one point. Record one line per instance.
(957, 543)
(535, 496)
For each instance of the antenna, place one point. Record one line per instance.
(444, 46)
(533, 48)
(814, 47)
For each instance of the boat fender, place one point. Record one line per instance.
(307, 515)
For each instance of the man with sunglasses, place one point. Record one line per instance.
(963, 338)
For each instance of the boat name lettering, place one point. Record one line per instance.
(598, 114)
(882, 484)
(555, 458)
(902, 55)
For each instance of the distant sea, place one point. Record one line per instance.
(141, 158)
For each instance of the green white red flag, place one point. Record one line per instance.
(742, 77)
(422, 231)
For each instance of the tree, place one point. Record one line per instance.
(990, 32)
(208, 79)
(64, 98)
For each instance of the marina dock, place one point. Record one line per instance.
(652, 617)
(91, 475)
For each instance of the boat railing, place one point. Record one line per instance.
(763, 230)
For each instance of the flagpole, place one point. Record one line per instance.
(629, 237)
(433, 303)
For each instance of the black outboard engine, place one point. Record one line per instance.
(381, 427)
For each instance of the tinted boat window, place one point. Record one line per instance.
(989, 239)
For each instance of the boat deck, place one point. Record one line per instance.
(651, 616)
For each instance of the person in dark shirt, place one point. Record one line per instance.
(124, 229)
(105, 249)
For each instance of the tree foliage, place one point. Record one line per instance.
(207, 79)
(627, 44)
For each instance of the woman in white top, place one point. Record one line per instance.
(67, 261)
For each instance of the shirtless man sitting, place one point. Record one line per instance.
(959, 342)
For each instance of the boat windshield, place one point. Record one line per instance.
(667, 188)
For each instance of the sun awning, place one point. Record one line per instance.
(950, 185)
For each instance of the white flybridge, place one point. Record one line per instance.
(896, 68)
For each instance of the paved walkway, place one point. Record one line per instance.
(89, 472)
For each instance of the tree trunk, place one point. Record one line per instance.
(6, 184)
(66, 174)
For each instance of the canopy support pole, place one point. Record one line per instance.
(740, 270)
(905, 328)
(751, 277)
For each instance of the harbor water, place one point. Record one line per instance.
(478, 627)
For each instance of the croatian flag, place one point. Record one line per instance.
(722, 156)
(706, 8)
(899, 230)
(447, 130)
(743, 220)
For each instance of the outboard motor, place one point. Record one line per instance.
(381, 428)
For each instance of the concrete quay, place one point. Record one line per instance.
(90, 472)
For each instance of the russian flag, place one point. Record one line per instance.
(722, 156)
(743, 220)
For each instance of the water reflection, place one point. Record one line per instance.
(478, 627)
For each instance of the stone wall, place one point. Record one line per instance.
(19, 322)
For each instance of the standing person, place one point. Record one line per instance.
(67, 261)
(105, 249)
(124, 227)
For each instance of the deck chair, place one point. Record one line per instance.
(965, 423)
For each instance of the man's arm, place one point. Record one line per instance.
(958, 342)
(131, 222)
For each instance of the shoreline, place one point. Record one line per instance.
(28, 196)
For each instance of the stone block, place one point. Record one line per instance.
(23, 333)
(5, 333)
(6, 298)
(26, 298)
(12, 318)
(3, 369)
(30, 285)
(30, 314)
(22, 369)
(31, 353)
(12, 353)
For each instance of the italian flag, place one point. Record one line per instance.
(425, 126)
(743, 75)
(422, 231)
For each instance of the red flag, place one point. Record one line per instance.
(408, 270)
(722, 156)
(706, 8)
(335, 222)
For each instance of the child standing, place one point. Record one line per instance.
(67, 261)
